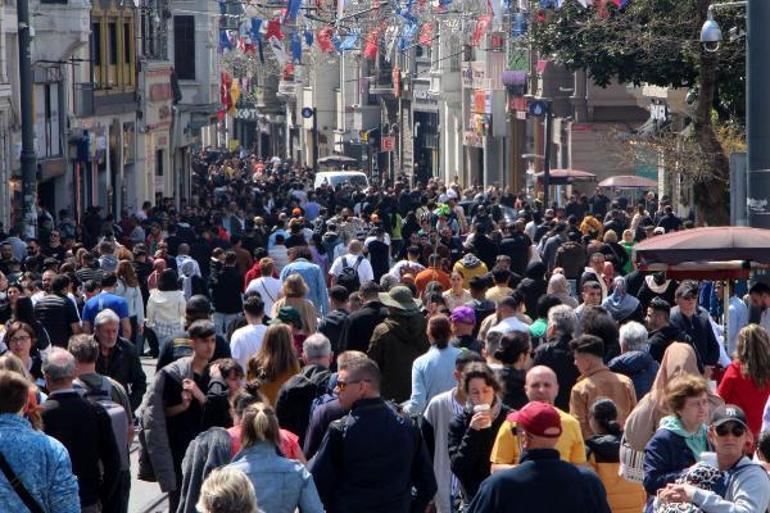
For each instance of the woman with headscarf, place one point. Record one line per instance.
(158, 266)
(558, 286)
(622, 306)
(533, 286)
(190, 279)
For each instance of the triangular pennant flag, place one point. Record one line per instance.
(224, 40)
(292, 10)
(256, 25)
(274, 29)
(308, 38)
(296, 47)
(408, 33)
(481, 28)
(370, 47)
(325, 40)
(426, 34)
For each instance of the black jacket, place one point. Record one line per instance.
(226, 290)
(86, 431)
(370, 460)
(542, 482)
(123, 366)
(470, 449)
(557, 355)
(659, 340)
(699, 333)
(296, 396)
(359, 326)
(332, 326)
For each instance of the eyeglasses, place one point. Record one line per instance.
(342, 384)
(18, 339)
(725, 429)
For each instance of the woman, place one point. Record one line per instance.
(457, 295)
(614, 252)
(275, 362)
(641, 424)
(267, 285)
(158, 266)
(533, 286)
(621, 305)
(166, 307)
(282, 485)
(32, 411)
(320, 258)
(20, 339)
(24, 311)
(128, 289)
(603, 453)
(190, 279)
(628, 244)
(559, 287)
(294, 291)
(514, 353)
(681, 437)
(746, 381)
(472, 433)
(227, 490)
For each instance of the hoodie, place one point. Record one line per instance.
(639, 366)
(395, 344)
(748, 491)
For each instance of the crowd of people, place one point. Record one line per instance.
(399, 348)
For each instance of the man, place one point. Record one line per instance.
(540, 385)
(85, 350)
(84, 429)
(518, 246)
(89, 271)
(359, 325)
(334, 322)
(597, 381)
(482, 307)
(278, 252)
(108, 262)
(635, 360)
(598, 203)
(40, 463)
(591, 294)
(435, 431)
(35, 257)
(301, 262)
(297, 394)
(226, 293)
(554, 242)
(243, 256)
(695, 324)
(748, 486)
(352, 269)
(107, 299)
(669, 221)
(541, 481)
(380, 453)
(500, 276)
(432, 273)
(759, 293)
(594, 272)
(410, 265)
(397, 342)
(246, 341)
(118, 358)
(660, 333)
(508, 310)
(556, 352)
(463, 323)
(57, 313)
(738, 316)
(55, 248)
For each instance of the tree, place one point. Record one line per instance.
(657, 42)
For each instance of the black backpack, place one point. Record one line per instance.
(348, 277)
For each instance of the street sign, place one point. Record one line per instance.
(538, 108)
(388, 144)
(307, 112)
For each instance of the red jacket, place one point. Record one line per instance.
(742, 391)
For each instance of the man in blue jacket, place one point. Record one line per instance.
(541, 481)
(371, 459)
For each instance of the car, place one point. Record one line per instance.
(357, 179)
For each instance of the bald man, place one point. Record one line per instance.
(540, 385)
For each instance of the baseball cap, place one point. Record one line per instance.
(729, 413)
(539, 419)
(463, 315)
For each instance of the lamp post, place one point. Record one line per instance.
(28, 158)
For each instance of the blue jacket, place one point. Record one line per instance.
(639, 366)
(315, 280)
(41, 463)
(281, 485)
(666, 456)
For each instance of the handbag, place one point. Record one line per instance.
(631, 462)
(18, 486)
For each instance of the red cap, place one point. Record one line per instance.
(538, 419)
(296, 212)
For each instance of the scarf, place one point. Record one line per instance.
(696, 441)
(619, 304)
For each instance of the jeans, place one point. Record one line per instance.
(222, 322)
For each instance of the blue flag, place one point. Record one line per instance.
(256, 24)
(296, 47)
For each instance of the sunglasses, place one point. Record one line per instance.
(341, 385)
(736, 430)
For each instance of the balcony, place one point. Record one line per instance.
(84, 100)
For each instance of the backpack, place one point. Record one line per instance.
(348, 277)
(118, 416)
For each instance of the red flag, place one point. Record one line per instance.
(325, 40)
(426, 34)
(274, 29)
(481, 28)
(372, 42)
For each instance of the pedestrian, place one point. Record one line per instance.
(227, 490)
(635, 360)
(275, 361)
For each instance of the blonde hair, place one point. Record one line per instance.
(294, 286)
(752, 350)
(266, 266)
(610, 236)
(227, 490)
(259, 424)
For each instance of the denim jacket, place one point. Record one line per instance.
(282, 485)
(41, 463)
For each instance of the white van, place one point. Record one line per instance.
(357, 179)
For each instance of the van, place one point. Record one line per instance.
(357, 179)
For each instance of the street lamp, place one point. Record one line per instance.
(710, 33)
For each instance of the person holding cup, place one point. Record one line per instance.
(472, 432)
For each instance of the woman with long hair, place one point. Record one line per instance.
(128, 289)
(275, 362)
(457, 295)
(294, 290)
(158, 266)
(166, 307)
(746, 381)
(282, 485)
(559, 287)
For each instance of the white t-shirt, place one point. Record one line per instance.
(246, 341)
(365, 272)
(508, 325)
(269, 288)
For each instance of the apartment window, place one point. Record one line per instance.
(113, 47)
(47, 136)
(158, 162)
(96, 55)
(184, 47)
(128, 50)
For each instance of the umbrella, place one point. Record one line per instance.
(628, 182)
(337, 160)
(711, 244)
(565, 176)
